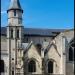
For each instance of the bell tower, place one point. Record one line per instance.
(14, 34)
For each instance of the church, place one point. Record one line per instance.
(32, 51)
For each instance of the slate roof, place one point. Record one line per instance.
(43, 32)
(37, 32)
(14, 4)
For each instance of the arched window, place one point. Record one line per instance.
(32, 66)
(50, 67)
(70, 54)
(71, 51)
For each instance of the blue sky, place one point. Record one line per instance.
(51, 14)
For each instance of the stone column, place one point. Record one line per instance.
(43, 62)
(63, 55)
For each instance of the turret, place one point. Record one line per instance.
(15, 13)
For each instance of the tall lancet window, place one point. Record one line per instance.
(11, 33)
(50, 67)
(17, 33)
(14, 12)
(32, 66)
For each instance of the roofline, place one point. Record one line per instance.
(38, 35)
(68, 30)
(15, 9)
(41, 28)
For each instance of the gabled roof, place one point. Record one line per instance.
(29, 46)
(37, 32)
(49, 46)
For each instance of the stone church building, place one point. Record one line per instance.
(28, 51)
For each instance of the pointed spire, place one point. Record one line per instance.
(15, 4)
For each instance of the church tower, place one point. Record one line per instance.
(14, 34)
(15, 13)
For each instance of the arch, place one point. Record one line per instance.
(50, 66)
(70, 54)
(71, 50)
(31, 66)
(26, 63)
